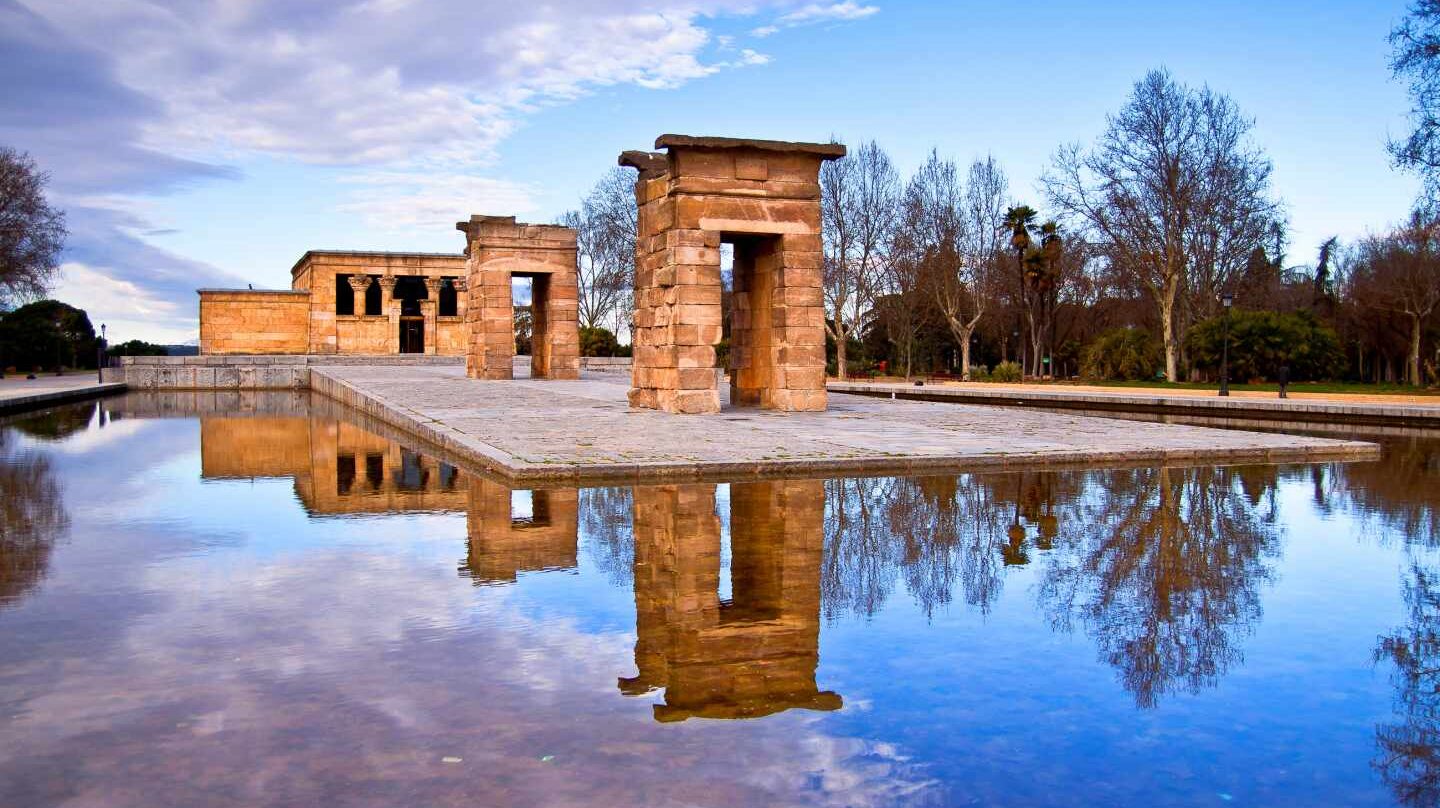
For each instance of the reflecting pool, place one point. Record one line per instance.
(268, 600)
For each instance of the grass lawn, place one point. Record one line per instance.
(1295, 387)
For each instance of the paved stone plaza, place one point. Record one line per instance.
(559, 430)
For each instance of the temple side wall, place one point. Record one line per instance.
(254, 322)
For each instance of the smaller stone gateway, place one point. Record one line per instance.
(762, 197)
(497, 249)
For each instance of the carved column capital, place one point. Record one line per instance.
(460, 284)
(432, 285)
(387, 284)
(359, 283)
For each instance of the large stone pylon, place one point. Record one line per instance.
(762, 196)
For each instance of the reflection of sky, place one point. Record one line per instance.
(197, 631)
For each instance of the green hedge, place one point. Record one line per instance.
(1263, 341)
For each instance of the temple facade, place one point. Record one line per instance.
(345, 302)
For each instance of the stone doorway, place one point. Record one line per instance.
(500, 250)
(412, 335)
(752, 354)
(762, 196)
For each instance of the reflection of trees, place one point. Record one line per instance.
(931, 532)
(1398, 494)
(605, 522)
(56, 424)
(1408, 751)
(32, 519)
(1165, 573)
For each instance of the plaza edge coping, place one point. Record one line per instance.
(508, 467)
(1296, 409)
(39, 401)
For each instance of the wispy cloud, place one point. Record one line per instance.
(814, 13)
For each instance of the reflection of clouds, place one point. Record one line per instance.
(304, 675)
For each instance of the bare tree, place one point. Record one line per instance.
(964, 227)
(605, 227)
(858, 196)
(1416, 57)
(1173, 192)
(1400, 273)
(31, 232)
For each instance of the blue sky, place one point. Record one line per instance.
(210, 143)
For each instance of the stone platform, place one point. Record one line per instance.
(539, 431)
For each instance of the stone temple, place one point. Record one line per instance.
(693, 195)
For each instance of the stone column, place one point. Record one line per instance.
(430, 307)
(391, 308)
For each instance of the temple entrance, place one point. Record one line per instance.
(752, 351)
(412, 335)
(532, 334)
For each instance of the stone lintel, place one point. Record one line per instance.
(825, 151)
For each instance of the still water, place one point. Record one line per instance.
(263, 600)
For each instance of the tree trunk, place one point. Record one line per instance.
(841, 337)
(1167, 330)
(965, 358)
(1412, 365)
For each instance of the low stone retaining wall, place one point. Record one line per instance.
(606, 364)
(257, 372)
(1290, 410)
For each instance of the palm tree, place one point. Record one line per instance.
(1020, 221)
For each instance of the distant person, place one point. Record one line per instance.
(1283, 377)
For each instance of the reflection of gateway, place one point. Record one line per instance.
(755, 654)
(512, 531)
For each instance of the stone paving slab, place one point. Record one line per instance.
(1311, 407)
(567, 430)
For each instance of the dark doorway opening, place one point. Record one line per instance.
(412, 335)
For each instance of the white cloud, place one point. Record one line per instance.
(129, 309)
(817, 13)
(408, 200)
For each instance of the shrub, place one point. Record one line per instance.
(1007, 372)
(1121, 353)
(1262, 341)
(979, 373)
(598, 342)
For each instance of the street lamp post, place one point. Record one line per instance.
(100, 357)
(1226, 300)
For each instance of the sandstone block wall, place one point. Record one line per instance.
(498, 249)
(763, 197)
(239, 321)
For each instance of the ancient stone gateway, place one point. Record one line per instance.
(497, 249)
(762, 196)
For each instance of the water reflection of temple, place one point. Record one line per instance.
(511, 531)
(338, 468)
(751, 655)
